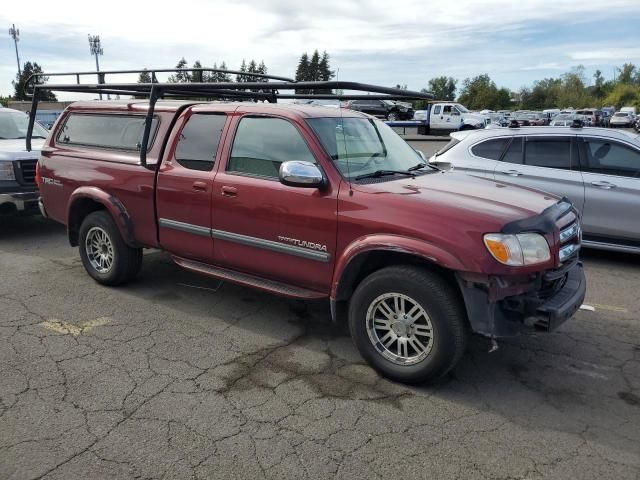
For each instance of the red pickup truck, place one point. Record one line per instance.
(315, 202)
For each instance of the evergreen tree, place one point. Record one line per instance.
(144, 77)
(18, 84)
(224, 77)
(326, 73)
(197, 77)
(303, 68)
(241, 77)
(182, 76)
(314, 67)
(302, 72)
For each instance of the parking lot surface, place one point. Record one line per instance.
(179, 376)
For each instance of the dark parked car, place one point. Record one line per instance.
(382, 109)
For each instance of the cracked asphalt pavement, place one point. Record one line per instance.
(179, 376)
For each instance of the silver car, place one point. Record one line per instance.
(597, 168)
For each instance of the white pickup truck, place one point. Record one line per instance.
(18, 191)
(447, 117)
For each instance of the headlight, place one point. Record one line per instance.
(518, 250)
(6, 171)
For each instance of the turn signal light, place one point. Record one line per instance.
(499, 250)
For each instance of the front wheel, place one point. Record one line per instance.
(408, 323)
(392, 116)
(105, 255)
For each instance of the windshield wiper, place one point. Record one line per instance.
(417, 167)
(384, 173)
(422, 165)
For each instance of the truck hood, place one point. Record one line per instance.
(16, 149)
(460, 195)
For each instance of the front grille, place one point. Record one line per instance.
(26, 172)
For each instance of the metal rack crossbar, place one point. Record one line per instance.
(264, 90)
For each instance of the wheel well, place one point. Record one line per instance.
(78, 212)
(366, 263)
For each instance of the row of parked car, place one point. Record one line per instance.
(592, 117)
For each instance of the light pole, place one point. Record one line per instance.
(96, 49)
(15, 34)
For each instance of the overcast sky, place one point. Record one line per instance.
(383, 42)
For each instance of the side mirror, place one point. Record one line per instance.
(297, 173)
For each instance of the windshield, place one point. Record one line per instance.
(360, 146)
(13, 125)
(564, 117)
(462, 109)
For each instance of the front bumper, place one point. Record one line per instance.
(533, 310)
(19, 202)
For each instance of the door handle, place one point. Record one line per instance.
(229, 191)
(511, 173)
(199, 186)
(604, 185)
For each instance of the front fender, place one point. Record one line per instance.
(112, 204)
(393, 243)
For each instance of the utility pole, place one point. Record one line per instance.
(96, 49)
(15, 34)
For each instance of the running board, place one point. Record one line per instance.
(248, 280)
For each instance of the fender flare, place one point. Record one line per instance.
(393, 243)
(112, 204)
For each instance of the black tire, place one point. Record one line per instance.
(126, 261)
(467, 127)
(439, 300)
(393, 116)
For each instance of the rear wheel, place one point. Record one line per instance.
(408, 323)
(105, 255)
(392, 116)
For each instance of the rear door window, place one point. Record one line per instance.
(199, 141)
(514, 152)
(436, 109)
(491, 149)
(548, 152)
(612, 158)
(113, 131)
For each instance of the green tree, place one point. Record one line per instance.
(325, 72)
(302, 72)
(598, 85)
(4, 101)
(242, 77)
(479, 93)
(627, 74)
(443, 88)
(624, 95)
(144, 77)
(182, 75)
(223, 77)
(573, 92)
(197, 77)
(314, 67)
(29, 69)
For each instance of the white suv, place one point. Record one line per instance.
(597, 168)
